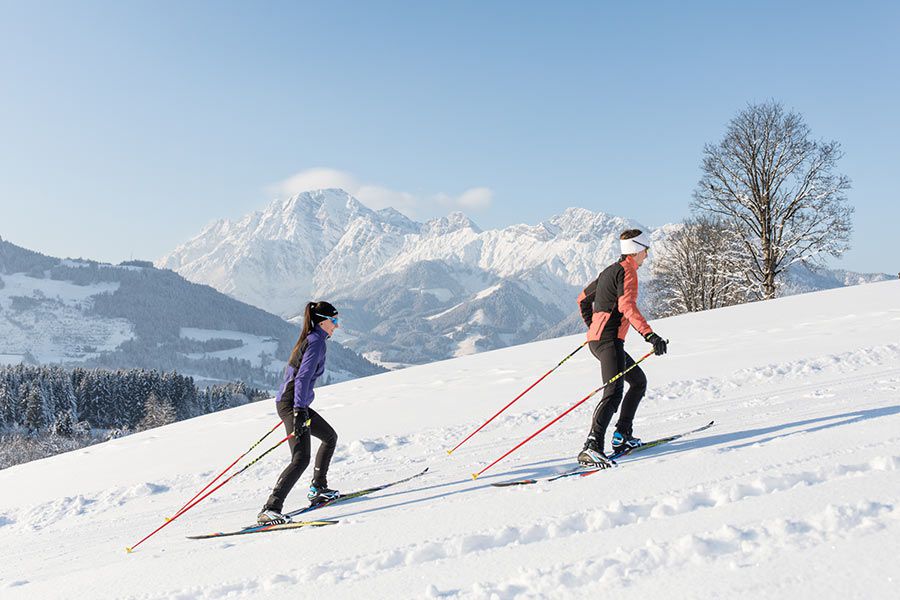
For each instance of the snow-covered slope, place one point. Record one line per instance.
(85, 313)
(794, 493)
(50, 321)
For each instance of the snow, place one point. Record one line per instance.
(74, 264)
(56, 328)
(251, 349)
(467, 346)
(12, 359)
(326, 244)
(444, 312)
(375, 357)
(66, 292)
(795, 492)
(487, 292)
(442, 294)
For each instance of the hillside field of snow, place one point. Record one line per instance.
(794, 493)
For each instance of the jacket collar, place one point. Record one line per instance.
(629, 260)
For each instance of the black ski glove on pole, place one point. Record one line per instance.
(301, 421)
(659, 345)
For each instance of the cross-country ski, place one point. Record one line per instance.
(263, 529)
(357, 494)
(584, 471)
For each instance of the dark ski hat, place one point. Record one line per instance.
(321, 310)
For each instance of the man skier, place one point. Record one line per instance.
(609, 306)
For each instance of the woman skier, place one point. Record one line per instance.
(306, 364)
(608, 307)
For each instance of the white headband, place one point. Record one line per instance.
(635, 244)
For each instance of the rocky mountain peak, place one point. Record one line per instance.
(452, 222)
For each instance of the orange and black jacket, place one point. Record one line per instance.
(609, 303)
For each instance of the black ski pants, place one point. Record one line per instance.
(613, 360)
(300, 454)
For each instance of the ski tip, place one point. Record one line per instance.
(474, 476)
(168, 519)
(128, 549)
(449, 452)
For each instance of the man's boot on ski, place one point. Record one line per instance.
(320, 492)
(623, 443)
(592, 455)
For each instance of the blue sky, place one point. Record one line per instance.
(125, 127)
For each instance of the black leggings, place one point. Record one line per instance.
(613, 360)
(300, 453)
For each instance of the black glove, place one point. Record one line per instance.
(301, 421)
(659, 344)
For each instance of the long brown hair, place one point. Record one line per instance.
(314, 313)
(299, 347)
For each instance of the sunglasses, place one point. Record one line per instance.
(334, 320)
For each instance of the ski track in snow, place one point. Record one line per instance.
(802, 463)
(721, 391)
(372, 451)
(727, 544)
(48, 514)
(735, 546)
(616, 514)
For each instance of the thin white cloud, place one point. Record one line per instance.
(477, 198)
(377, 196)
(473, 199)
(318, 178)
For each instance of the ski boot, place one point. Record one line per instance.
(270, 516)
(623, 443)
(592, 455)
(321, 493)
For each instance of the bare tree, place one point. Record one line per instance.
(775, 186)
(695, 269)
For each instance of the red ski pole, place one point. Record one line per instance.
(576, 405)
(130, 549)
(516, 398)
(228, 468)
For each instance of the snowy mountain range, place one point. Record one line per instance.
(414, 292)
(409, 292)
(85, 313)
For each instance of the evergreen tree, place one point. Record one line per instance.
(64, 424)
(157, 413)
(88, 397)
(5, 409)
(35, 417)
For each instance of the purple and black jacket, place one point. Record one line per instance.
(298, 383)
